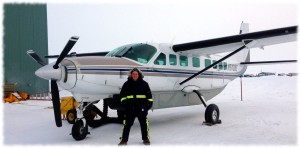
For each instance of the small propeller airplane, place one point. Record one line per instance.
(178, 75)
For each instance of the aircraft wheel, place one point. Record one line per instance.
(71, 116)
(212, 114)
(105, 108)
(79, 131)
(92, 112)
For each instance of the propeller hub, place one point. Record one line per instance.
(49, 73)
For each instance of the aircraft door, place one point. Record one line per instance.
(159, 74)
(218, 76)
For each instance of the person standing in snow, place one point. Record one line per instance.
(137, 99)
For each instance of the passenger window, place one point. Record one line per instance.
(221, 65)
(160, 60)
(215, 67)
(225, 66)
(173, 59)
(196, 62)
(183, 61)
(207, 62)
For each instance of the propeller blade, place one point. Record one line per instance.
(74, 54)
(32, 54)
(56, 103)
(66, 50)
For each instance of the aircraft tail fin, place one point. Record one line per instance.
(246, 54)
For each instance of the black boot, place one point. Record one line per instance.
(146, 142)
(122, 143)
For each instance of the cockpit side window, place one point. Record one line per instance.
(161, 59)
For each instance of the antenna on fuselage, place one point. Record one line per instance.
(244, 28)
(172, 42)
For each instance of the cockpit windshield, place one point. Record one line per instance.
(139, 52)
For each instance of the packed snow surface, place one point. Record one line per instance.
(267, 115)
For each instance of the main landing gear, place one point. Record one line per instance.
(212, 112)
(90, 111)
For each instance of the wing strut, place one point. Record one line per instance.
(212, 65)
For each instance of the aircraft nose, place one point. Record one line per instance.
(49, 73)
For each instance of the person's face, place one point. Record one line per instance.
(135, 75)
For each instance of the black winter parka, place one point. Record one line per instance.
(136, 95)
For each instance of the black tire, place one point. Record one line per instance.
(71, 116)
(79, 132)
(105, 108)
(92, 112)
(212, 114)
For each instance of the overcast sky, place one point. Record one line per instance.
(105, 26)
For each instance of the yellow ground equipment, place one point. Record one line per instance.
(68, 108)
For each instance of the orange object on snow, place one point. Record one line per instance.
(11, 98)
(23, 95)
(16, 97)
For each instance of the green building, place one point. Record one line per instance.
(25, 28)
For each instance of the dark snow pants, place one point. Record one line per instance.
(129, 120)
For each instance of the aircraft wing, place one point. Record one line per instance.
(231, 43)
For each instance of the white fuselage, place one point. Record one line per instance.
(96, 78)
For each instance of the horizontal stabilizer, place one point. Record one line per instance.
(74, 54)
(268, 62)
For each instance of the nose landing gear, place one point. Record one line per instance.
(90, 111)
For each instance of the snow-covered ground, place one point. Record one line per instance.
(266, 116)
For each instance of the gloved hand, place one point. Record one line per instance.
(125, 104)
(150, 104)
